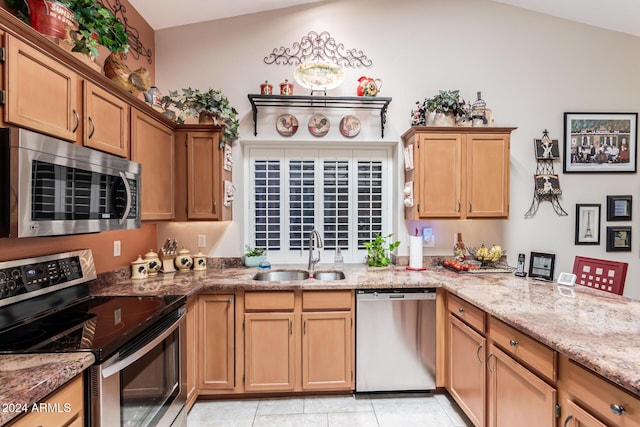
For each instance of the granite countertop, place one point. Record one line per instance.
(28, 378)
(599, 330)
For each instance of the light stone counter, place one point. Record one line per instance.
(598, 330)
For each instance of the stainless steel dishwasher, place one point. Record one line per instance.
(395, 340)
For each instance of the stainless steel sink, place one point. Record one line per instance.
(281, 275)
(328, 275)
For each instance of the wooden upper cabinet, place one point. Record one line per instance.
(106, 121)
(152, 146)
(201, 175)
(458, 172)
(42, 94)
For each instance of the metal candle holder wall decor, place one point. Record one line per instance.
(547, 185)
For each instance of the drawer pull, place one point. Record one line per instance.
(478, 353)
(566, 420)
(513, 343)
(617, 409)
(461, 310)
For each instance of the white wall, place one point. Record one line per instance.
(531, 68)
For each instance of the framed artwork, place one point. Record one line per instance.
(541, 266)
(618, 239)
(587, 224)
(547, 184)
(600, 142)
(547, 149)
(618, 208)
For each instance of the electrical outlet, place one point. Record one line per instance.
(202, 240)
(116, 248)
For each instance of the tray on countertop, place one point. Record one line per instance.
(490, 269)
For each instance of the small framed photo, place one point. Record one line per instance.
(547, 149)
(547, 184)
(618, 208)
(587, 224)
(618, 239)
(600, 142)
(541, 266)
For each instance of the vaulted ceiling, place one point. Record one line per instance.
(616, 15)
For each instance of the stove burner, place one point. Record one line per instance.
(67, 320)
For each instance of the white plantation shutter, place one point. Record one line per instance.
(343, 193)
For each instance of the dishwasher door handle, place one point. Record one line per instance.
(396, 296)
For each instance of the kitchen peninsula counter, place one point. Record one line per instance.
(599, 330)
(26, 379)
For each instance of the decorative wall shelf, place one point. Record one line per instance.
(310, 101)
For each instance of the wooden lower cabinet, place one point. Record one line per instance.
(216, 336)
(467, 370)
(326, 351)
(578, 417)
(69, 401)
(269, 363)
(517, 397)
(191, 352)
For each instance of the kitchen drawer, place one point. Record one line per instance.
(326, 300)
(537, 356)
(269, 301)
(596, 395)
(467, 312)
(64, 407)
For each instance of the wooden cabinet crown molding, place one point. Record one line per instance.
(456, 129)
(25, 33)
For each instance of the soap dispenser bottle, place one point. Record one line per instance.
(338, 261)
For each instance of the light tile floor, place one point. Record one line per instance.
(432, 410)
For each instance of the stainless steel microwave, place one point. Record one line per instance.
(50, 187)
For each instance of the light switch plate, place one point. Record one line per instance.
(202, 240)
(116, 248)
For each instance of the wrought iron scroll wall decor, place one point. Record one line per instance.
(136, 48)
(547, 185)
(321, 47)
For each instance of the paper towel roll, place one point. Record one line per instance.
(415, 251)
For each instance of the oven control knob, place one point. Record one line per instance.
(12, 285)
(15, 274)
(3, 276)
(3, 290)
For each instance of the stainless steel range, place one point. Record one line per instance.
(139, 377)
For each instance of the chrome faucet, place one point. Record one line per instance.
(315, 241)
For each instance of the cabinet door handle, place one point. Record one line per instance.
(489, 364)
(513, 343)
(304, 327)
(566, 420)
(470, 206)
(290, 327)
(75, 128)
(459, 204)
(617, 409)
(478, 353)
(229, 301)
(461, 310)
(93, 127)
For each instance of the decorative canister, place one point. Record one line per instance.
(286, 88)
(139, 269)
(153, 96)
(183, 260)
(199, 261)
(266, 88)
(153, 262)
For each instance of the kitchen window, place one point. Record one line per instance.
(343, 193)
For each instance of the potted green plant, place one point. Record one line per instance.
(378, 250)
(210, 105)
(253, 256)
(94, 24)
(440, 109)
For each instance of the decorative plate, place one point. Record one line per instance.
(318, 75)
(319, 125)
(350, 126)
(287, 125)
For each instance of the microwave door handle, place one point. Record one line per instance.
(127, 188)
(119, 365)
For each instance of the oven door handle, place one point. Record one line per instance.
(119, 365)
(127, 188)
